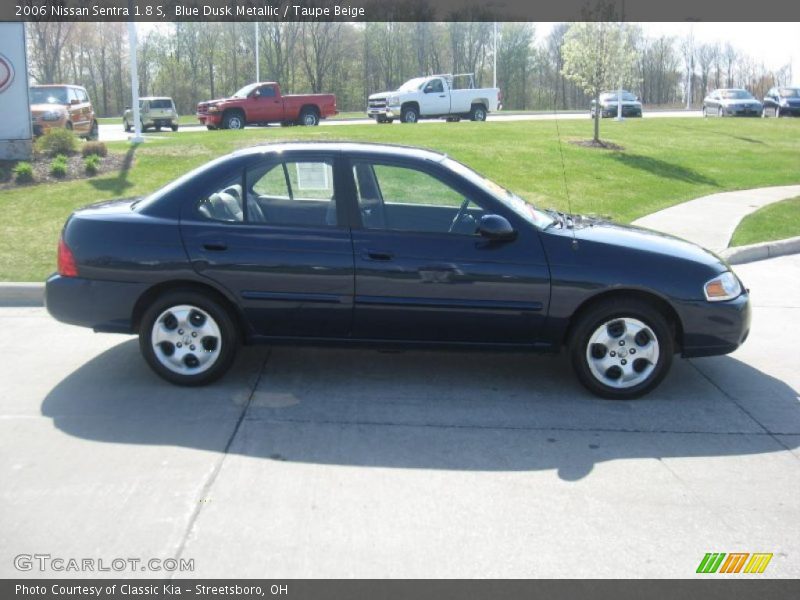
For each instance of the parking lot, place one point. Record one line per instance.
(307, 462)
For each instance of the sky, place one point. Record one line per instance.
(774, 44)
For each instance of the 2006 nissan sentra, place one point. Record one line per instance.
(391, 247)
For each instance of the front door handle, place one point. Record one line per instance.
(376, 255)
(215, 246)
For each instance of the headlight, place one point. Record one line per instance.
(213, 109)
(393, 100)
(722, 287)
(52, 115)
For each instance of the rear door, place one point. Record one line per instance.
(422, 273)
(272, 234)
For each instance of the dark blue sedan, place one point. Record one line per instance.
(390, 247)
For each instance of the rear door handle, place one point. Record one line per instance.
(215, 246)
(375, 255)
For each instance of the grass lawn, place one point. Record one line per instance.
(663, 162)
(774, 222)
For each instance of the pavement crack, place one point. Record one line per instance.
(731, 399)
(218, 465)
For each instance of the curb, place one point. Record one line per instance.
(21, 294)
(745, 254)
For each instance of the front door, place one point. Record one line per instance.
(267, 106)
(271, 235)
(422, 273)
(437, 98)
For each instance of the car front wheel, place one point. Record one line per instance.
(187, 338)
(621, 349)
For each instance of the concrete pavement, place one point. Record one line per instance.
(711, 220)
(353, 463)
(115, 132)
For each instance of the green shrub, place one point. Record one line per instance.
(57, 141)
(23, 172)
(58, 168)
(94, 148)
(92, 164)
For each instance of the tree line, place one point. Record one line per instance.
(196, 61)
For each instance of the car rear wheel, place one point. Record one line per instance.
(187, 338)
(478, 113)
(174, 127)
(309, 117)
(127, 126)
(621, 349)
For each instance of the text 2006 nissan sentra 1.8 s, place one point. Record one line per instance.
(386, 246)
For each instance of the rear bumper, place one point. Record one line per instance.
(101, 305)
(711, 329)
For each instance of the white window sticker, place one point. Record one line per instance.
(312, 176)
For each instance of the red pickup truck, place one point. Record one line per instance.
(262, 103)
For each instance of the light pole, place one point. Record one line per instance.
(258, 70)
(621, 50)
(137, 123)
(494, 76)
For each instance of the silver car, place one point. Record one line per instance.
(155, 112)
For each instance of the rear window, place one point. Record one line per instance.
(163, 103)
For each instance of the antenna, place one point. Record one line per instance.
(563, 166)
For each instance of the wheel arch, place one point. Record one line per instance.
(313, 107)
(223, 298)
(660, 303)
(235, 109)
(409, 104)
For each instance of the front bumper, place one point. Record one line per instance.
(210, 119)
(739, 111)
(101, 305)
(714, 328)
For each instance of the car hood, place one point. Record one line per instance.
(38, 109)
(644, 240)
(217, 101)
(380, 95)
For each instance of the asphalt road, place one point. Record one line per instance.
(353, 463)
(115, 132)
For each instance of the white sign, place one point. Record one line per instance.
(15, 126)
(313, 176)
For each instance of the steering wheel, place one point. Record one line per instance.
(461, 212)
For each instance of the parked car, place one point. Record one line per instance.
(731, 103)
(386, 246)
(609, 105)
(64, 106)
(263, 103)
(155, 112)
(434, 97)
(782, 102)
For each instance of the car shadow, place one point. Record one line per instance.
(469, 411)
(662, 168)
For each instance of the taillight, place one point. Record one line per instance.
(66, 260)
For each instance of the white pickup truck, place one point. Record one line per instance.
(434, 97)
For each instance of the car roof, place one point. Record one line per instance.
(155, 98)
(57, 85)
(389, 150)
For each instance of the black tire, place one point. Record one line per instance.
(211, 128)
(477, 112)
(68, 126)
(229, 335)
(607, 311)
(233, 119)
(173, 127)
(126, 126)
(158, 127)
(409, 114)
(309, 117)
(705, 112)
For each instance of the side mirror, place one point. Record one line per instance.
(127, 108)
(496, 228)
(74, 101)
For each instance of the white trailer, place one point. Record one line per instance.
(435, 97)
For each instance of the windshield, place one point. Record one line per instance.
(411, 84)
(626, 97)
(735, 95)
(509, 199)
(789, 92)
(161, 103)
(48, 95)
(245, 91)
